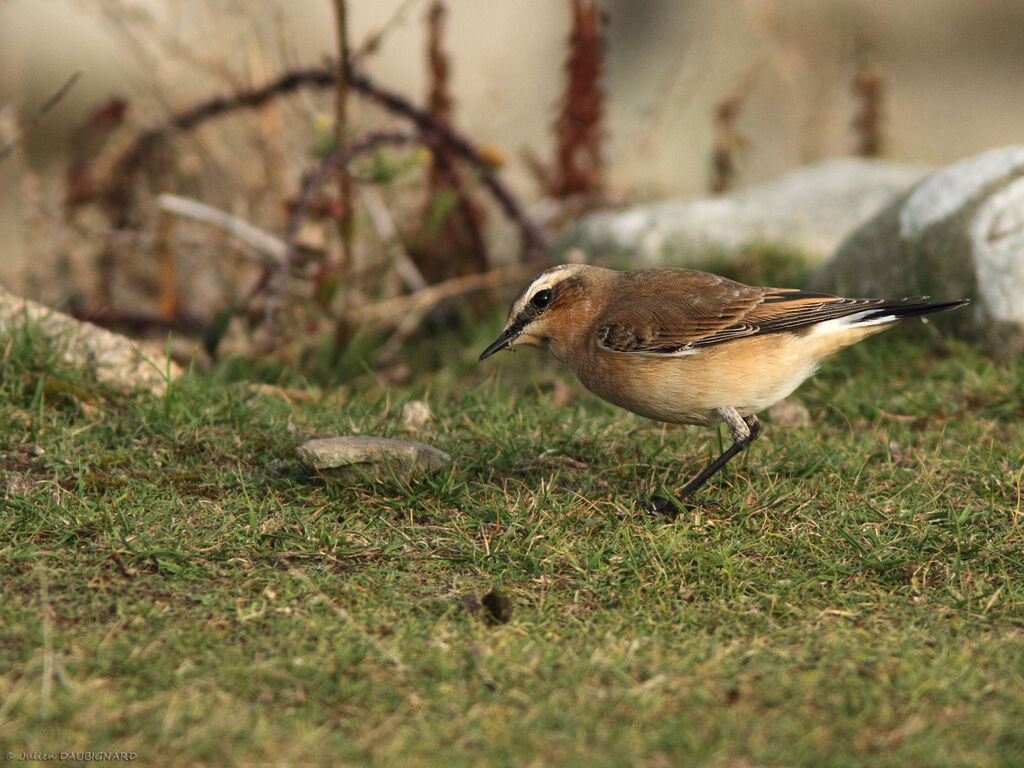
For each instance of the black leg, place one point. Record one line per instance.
(744, 430)
(739, 443)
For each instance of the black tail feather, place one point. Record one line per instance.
(914, 305)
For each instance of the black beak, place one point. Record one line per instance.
(502, 342)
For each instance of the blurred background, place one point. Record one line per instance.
(688, 96)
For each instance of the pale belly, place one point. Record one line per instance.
(749, 375)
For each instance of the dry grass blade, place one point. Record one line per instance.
(40, 113)
(272, 247)
(419, 303)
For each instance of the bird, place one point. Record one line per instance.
(689, 347)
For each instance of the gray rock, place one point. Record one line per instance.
(959, 233)
(113, 361)
(808, 212)
(357, 459)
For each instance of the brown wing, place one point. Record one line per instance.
(688, 309)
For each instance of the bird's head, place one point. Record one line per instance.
(548, 311)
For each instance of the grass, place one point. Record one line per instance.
(173, 584)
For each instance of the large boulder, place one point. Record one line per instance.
(806, 212)
(958, 233)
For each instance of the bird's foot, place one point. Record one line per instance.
(669, 509)
(661, 508)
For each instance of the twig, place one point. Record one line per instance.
(272, 247)
(316, 178)
(47, 105)
(137, 323)
(534, 243)
(407, 312)
(347, 220)
(421, 302)
(373, 41)
(392, 243)
(458, 245)
(118, 194)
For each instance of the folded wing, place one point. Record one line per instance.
(706, 309)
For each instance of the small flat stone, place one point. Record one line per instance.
(358, 459)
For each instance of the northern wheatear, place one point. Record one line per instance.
(690, 347)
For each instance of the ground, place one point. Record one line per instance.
(173, 584)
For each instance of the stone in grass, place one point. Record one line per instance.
(416, 415)
(357, 459)
(790, 414)
(116, 363)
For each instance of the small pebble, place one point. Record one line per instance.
(789, 414)
(416, 415)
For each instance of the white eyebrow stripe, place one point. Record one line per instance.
(547, 279)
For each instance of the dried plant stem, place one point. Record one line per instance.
(869, 88)
(327, 166)
(421, 302)
(578, 163)
(347, 219)
(392, 244)
(119, 196)
(406, 313)
(373, 41)
(534, 243)
(40, 113)
(273, 248)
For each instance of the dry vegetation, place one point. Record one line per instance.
(255, 221)
(298, 207)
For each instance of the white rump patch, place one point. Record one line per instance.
(856, 320)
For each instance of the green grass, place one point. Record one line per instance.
(172, 583)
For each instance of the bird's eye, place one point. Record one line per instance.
(541, 299)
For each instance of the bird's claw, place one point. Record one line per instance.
(668, 510)
(661, 508)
